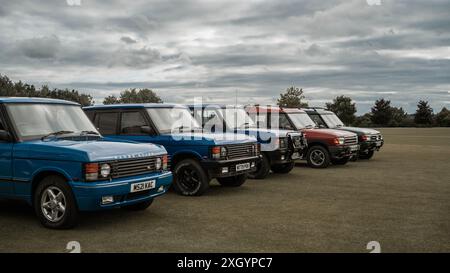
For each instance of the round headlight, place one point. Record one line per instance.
(158, 163)
(105, 170)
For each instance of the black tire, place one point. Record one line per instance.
(283, 168)
(232, 181)
(62, 219)
(189, 178)
(139, 206)
(340, 161)
(367, 155)
(318, 157)
(262, 168)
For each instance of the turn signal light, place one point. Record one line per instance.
(91, 171)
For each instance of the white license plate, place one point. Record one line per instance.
(143, 186)
(295, 155)
(354, 148)
(242, 167)
(378, 143)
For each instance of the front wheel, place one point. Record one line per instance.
(139, 206)
(232, 181)
(54, 203)
(262, 169)
(189, 178)
(318, 157)
(367, 155)
(283, 168)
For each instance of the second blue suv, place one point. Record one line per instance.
(196, 157)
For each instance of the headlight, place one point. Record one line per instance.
(158, 163)
(223, 152)
(339, 141)
(105, 170)
(282, 142)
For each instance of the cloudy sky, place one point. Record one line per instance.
(217, 50)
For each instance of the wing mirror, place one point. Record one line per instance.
(146, 130)
(4, 135)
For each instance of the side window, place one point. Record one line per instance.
(106, 123)
(285, 123)
(90, 115)
(134, 123)
(318, 120)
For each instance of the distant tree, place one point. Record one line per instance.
(443, 118)
(134, 96)
(363, 121)
(292, 98)
(399, 117)
(424, 114)
(344, 108)
(111, 100)
(20, 89)
(381, 112)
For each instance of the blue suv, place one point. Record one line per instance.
(196, 158)
(54, 158)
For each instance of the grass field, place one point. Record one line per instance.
(400, 198)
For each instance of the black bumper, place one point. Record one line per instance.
(367, 146)
(342, 151)
(282, 156)
(214, 168)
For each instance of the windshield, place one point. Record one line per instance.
(38, 120)
(332, 120)
(301, 120)
(237, 118)
(168, 119)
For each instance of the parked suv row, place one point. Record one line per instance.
(63, 160)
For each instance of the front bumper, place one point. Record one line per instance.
(367, 146)
(343, 151)
(283, 156)
(216, 168)
(89, 194)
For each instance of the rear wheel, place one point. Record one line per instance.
(262, 168)
(283, 168)
(232, 181)
(54, 203)
(340, 161)
(139, 206)
(189, 178)
(367, 155)
(318, 157)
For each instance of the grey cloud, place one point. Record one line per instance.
(135, 58)
(128, 40)
(40, 48)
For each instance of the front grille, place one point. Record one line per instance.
(351, 140)
(131, 167)
(375, 137)
(241, 150)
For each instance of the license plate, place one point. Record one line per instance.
(295, 155)
(354, 148)
(143, 186)
(378, 143)
(242, 167)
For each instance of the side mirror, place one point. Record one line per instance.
(4, 135)
(146, 130)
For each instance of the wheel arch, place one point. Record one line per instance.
(177, 157)
(39, 175)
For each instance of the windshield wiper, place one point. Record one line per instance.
(57, 133)
(89, 133)
(309, 126)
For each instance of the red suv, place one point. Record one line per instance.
(325, 146)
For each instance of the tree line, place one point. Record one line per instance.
(382, 114)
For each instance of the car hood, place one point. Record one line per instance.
(266, 131)
(211, 138)
(360, 131)
(85, 151)
(332, 132)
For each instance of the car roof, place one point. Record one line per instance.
(214, 105)
(134, 106)
(317, 110)
(35, 100)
